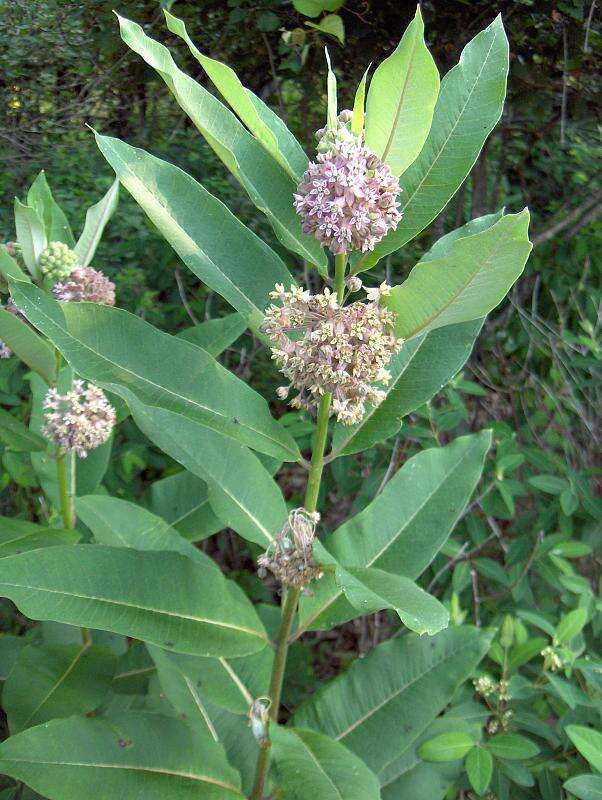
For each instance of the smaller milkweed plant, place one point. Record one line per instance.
(155, 676)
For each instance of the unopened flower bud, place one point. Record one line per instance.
(57, 261)
(354, 284)
(80, 420)
(85, 283)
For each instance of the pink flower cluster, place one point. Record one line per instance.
(347, 198)
(85, 283)
(340, 350)
(80, 420)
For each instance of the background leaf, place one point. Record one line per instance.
(48, 210)
(97, 217)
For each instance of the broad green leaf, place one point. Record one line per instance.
(31, 236)
(464, 283)
(10, 647)
(512, 746)
(160, 369)
(370, 590)
(382, 703)
(242, 493)
(446, 747)
(331, 25)
(309, 765)
(443, 245)
(183, 501)
(97, 217)
(215, 335)
(479, 768)
(131, 754)
(552, 484)
(17, 435)
(9, 268)
(421, 368)
(585, 787)
(589, 743)
(469, 105)
(401, 100)
(19, 536)
(27, 345)
(313, 8)
(278, 141)
(403, 529)
(190, 682)
(266, 182)
(123, 524)
(50, 681)
(209, 239)
(160, 597)
(48, 210)
(570, 626)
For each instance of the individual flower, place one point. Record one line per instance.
(323, 347)
(5, 351)
(348, 196)
(85, 283)
(290, 556)
(80, 420)
(57, 261)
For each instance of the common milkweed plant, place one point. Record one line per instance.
(170, 681)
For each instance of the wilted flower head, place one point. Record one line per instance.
(57, 261)
(347, 198)
(85, 283)
(290, 556)
(80, 420)
(259, 721)
(335, 349)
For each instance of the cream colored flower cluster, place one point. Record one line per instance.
(323, 347)
(80, 420)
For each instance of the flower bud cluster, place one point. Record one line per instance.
(552, 659)
(341, 350)
(80, 420)
(486, 686)
(85, 283)
(328, 138)
(290, 556)
(348, 196)
(57, 261)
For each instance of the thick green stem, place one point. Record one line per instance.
(66, 481)
(291, 599)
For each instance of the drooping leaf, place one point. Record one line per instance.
(48, 210)
(183, 501)
(403, 529)
(125, 755)
(331, 25)
(421, 368)
(241, 491)
(97, 217)
(27, 345)
(19, 536)
(446, 747)
(17, 435)
(215, 335)
(585, 787)
(160, 597)
(266, 182)
(469, 105)
(120, 523)
(386, 700)
(589, 743)
(466, 282)
(370, 590)
(479, 768)
(31, 236)
(401, 100)
(309, 765)
(50, 681)
(276, 139)
(160, 369)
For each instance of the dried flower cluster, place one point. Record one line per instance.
(335, 349)
(348, 196)
(85, 283)
(290, 555)
(80, 420)
(259, 721)
(57, 261)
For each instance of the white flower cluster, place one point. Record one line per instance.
(80, 420)
(323, 347)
